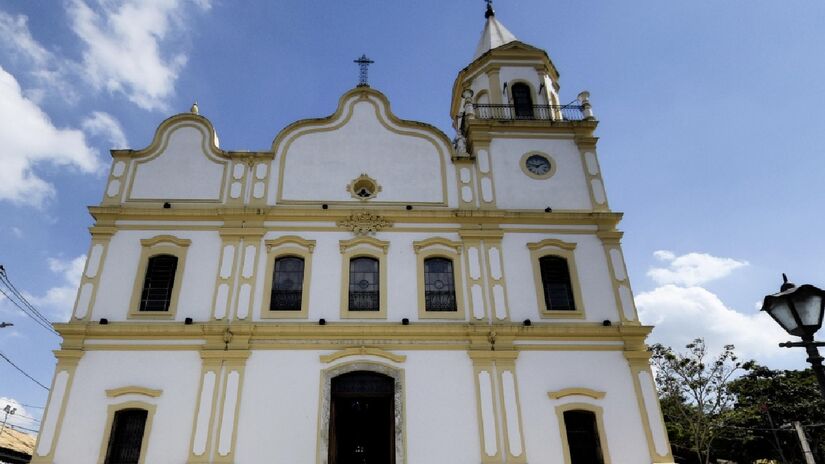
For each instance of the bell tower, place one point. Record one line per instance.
(507, 113)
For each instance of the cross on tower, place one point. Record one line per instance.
(364, 64)
(490, 11)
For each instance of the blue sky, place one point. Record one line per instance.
(710, 135)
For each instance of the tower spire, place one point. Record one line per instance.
(490, 11)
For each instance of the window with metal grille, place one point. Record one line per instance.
(522, 101)
(439, 285)
(364, 284)
(555, 278)
(126, 436)
(583, 437)
(157, 286)
(287, 284)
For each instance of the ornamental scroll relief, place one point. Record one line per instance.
(364, 223)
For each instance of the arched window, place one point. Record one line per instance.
(126, 436)
(364, 284)
(522, 101)
(439, 285)
(157, 285)
(555, 279)
(287, 284)
(583, 437)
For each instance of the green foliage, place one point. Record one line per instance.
(695, 395)
(767, 403)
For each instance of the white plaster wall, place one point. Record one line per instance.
(182, 171)
(326, 279)
(542, 372)
(278, 419)
(591, 265)
(176, 373)
(565, 190)
(318, 166)
(120, 273)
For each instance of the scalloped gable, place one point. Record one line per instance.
(318, 158)
(183, 162)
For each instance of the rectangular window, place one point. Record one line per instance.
(439, 285)
(364, 286)
(555, 278)
(157, 285)
(583, 437)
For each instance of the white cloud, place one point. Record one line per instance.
(17, 232)
(105, 125)
(48, 70)
(60, 299)
(692, 268)
(124, 46)
(21, 417)
(28, 137)
(682, 314)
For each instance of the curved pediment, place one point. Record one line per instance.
(318, 159)
(183, 162)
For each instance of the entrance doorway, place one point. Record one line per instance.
(362, 419)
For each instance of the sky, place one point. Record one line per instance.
(711, 130)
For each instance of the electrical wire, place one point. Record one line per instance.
(26, 307)
(22, 371)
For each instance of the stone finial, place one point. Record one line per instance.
(587, 109)
(194, 109)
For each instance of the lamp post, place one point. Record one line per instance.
(799, 311)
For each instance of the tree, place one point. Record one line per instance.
(695, 394)
(767, 402)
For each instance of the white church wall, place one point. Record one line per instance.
(183, 170)
(175, 373)
(566, 189)
(542, 372)
(591, 266)
(117, 281)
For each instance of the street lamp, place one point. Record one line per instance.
(799, 311)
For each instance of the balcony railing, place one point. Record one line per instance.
(528, 113)
(363, 301)
(439, 301)
(285, 300)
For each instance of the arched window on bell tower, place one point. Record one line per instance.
(522, 101)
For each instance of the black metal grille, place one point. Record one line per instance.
(536, 112)
(157, 286)
(287, 284)
(583, 437)
(439, 285)
(126, 436)
(364, 286)
(555, 278)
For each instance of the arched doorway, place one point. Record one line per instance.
(362, 419)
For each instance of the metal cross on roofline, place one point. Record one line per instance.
(364, 64)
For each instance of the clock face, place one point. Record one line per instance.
(537, 164)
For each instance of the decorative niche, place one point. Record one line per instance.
(363, 188)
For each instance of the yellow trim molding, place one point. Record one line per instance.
(576, 391)
(599, 413)
(147, 428)
(554, 247)
(371, 248)
(362, 351)
(133, 390)
(159, 245)
(286, 246)
(439, 247)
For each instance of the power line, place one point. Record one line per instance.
(26, 311)
(22, 371)
(26, 307)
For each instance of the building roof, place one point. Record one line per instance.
(493, 36)
(15, 440)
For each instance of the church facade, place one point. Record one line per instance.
(368, 291)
